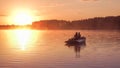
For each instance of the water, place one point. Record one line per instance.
(46, 49)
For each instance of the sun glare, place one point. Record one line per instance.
(23, 38)
(22, 17)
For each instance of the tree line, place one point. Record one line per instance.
(109, 22)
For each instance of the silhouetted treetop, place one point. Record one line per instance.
(109, 22)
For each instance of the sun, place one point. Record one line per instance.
(22, 17)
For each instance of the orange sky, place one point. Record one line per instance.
(62, 9)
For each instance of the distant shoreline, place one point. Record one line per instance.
(97, 23)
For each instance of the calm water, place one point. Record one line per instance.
(46, 49)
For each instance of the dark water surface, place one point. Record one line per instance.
(46, 49)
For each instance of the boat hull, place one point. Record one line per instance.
(76, 41)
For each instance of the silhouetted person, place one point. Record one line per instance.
(78, 35)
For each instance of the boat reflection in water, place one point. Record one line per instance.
(77, 48)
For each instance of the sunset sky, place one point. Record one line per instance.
(61, 9)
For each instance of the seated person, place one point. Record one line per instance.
(77, 35)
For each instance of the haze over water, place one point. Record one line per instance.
(46, 49)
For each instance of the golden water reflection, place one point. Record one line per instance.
(22, 39)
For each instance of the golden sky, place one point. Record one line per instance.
(62, 9)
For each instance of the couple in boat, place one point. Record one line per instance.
(77, 36)
(76, 39)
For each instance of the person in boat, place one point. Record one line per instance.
(77, 35)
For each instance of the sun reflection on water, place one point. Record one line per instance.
(23, 38)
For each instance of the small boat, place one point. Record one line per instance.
(81, 40)
(77, 39)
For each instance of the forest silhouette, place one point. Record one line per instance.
(102, 23)
(97, 23)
